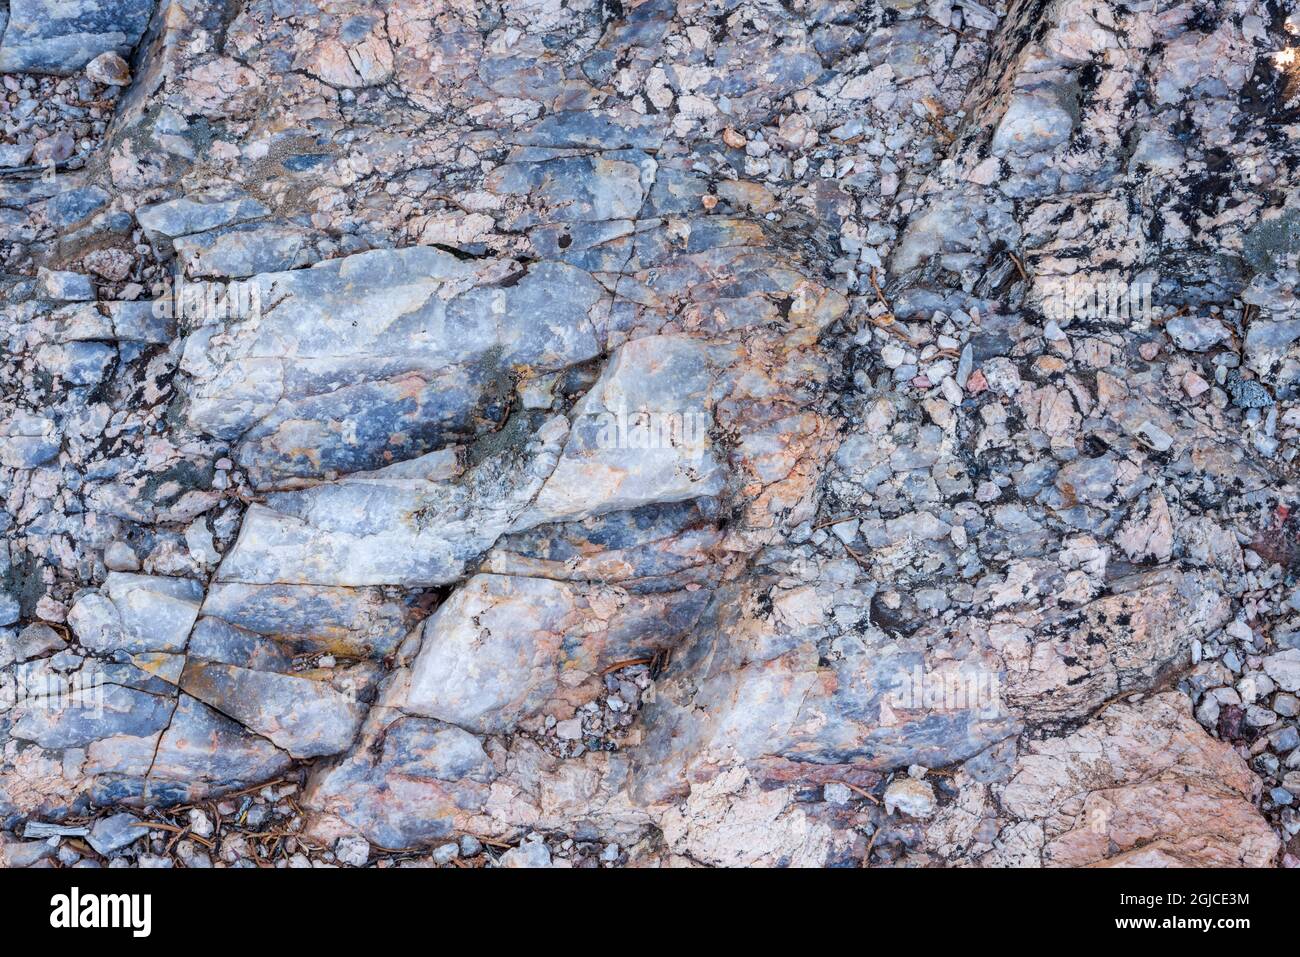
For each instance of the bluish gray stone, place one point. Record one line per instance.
(14, 853)
(65, 286)
(10, 610)
(403, 346)
(29, 440)
(49, 36)
(1247, 393)
(244, 250)
(203, 751)
(186, 215)
(1033, 122)
(141, 322)
(115, 832)
(66, 719)
(78, 363)
(75, 205)
(306, 618)
(305, 718)
(529, 854)
(35, 640)
(1285, 740)
(1196, 333)
(427, 770)
(137, 613)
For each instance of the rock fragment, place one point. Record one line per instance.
(43, 36)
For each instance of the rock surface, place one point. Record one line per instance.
(1139, 786)
(660, 433)
(46, 36)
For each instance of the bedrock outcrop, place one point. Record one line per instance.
(673, 432)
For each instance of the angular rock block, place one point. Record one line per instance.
(503, 648)
(432, 778)
(137, 613)
(1141, 786)
(628, 447)
(360, 362)
(47, 36)
(306, 718)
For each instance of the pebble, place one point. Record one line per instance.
(120, 557)
(353, 851)
(837, 793)
(445, 853)
(53, 149)
(529, 854)
(569, 730)
(470, 846)
(110, 69)
(910, 796)
(1196, 333)
(115, 832)
(200, 823)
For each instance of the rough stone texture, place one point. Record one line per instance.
(501, 647)
(669, 432)
(1140, 786)
(47, 36)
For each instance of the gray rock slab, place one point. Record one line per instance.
(48, 36)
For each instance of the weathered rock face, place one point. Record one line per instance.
(404, 344)
(1139, 786)
(155, 702)
(501, 647)
(45, 36)
(1070, 662)
(749, 434)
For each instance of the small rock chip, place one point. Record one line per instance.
(1196, 333)
(570, 730)
(353, 851)
(110, 69)
(470, 845)
(1156, 437)
(1247, 393)
(837, 793)
(53, 149)
(200, 823)
(191, 855)
(528, 854)
(114, 833)
(1194, 385)
(119, 557)
(910, 796)
(1230, 718)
